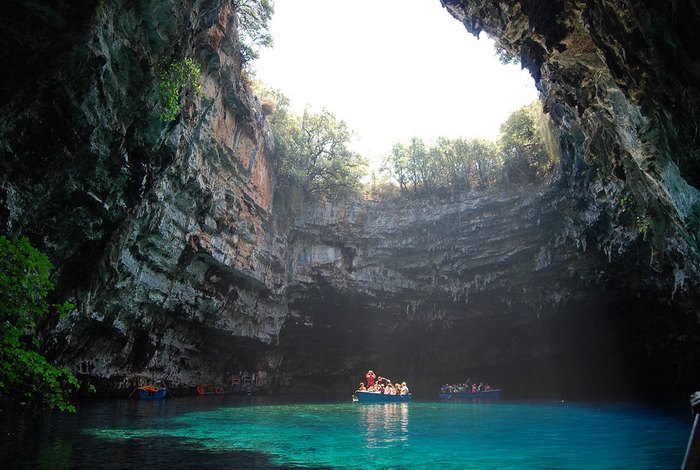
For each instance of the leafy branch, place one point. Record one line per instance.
(27, 379)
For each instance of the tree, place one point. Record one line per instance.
(457, 162)
(313, 149)
(504, 56)
(317, 155)
(454, 165)
(420, 167)
(525, 156)
(396, 164)
(253, 26)
(27, 379)
(484, 154)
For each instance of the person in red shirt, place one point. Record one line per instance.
(370, 378)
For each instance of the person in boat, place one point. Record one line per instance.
(371, 376)
(361, 388)
(474, 388)
(404, 389)
(487, 388)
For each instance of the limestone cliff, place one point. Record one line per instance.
(162, 232)
(171, 240)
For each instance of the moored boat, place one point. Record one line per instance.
(210, 390)
(149, 392)
(376, 397)
(490, 394)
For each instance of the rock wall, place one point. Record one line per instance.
(510, 286)
(621, 84)
(172, 240)
(161, 232)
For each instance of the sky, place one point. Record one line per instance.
(391, 69)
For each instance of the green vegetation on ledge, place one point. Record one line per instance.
(182, 75)
(520, 156)
(315, 158)
(27, 379)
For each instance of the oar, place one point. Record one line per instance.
(692, 453)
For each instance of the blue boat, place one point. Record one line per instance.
(376, 397)
(491, 394)
(151, 392)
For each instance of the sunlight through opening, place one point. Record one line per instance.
(392, 70)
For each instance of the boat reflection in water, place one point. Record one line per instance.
(384, 424)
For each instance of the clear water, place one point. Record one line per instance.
(233, 432)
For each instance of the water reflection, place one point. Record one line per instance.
(385, 424)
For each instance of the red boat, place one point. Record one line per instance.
(210, 390)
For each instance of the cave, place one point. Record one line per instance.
(183, 263)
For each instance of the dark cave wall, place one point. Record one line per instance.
(598, 350)
(161, 232)
(506, 288)
(620, 82)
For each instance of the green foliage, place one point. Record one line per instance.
(643, 224)
(520, 156)
(523, 149)
(26, 377)
(253, 26)
(314, 150)
(182, 75)
(318, 157)
(505, 57)
(455, 165)
(314, 155)
(625, 202)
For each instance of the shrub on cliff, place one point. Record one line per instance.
(27, 379)
(181, 75)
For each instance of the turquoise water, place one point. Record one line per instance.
(258, 432)
(467, 435)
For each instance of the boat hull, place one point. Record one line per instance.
(152, 394)
(373, 397)
(202, 390)
(491, 394)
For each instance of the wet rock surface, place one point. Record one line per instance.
(172, 240)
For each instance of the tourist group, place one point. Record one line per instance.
(379, 384)
(466, 387)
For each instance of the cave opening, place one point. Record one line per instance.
(589, 279)
(553, 332)
(393, 71)
(191, 264)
